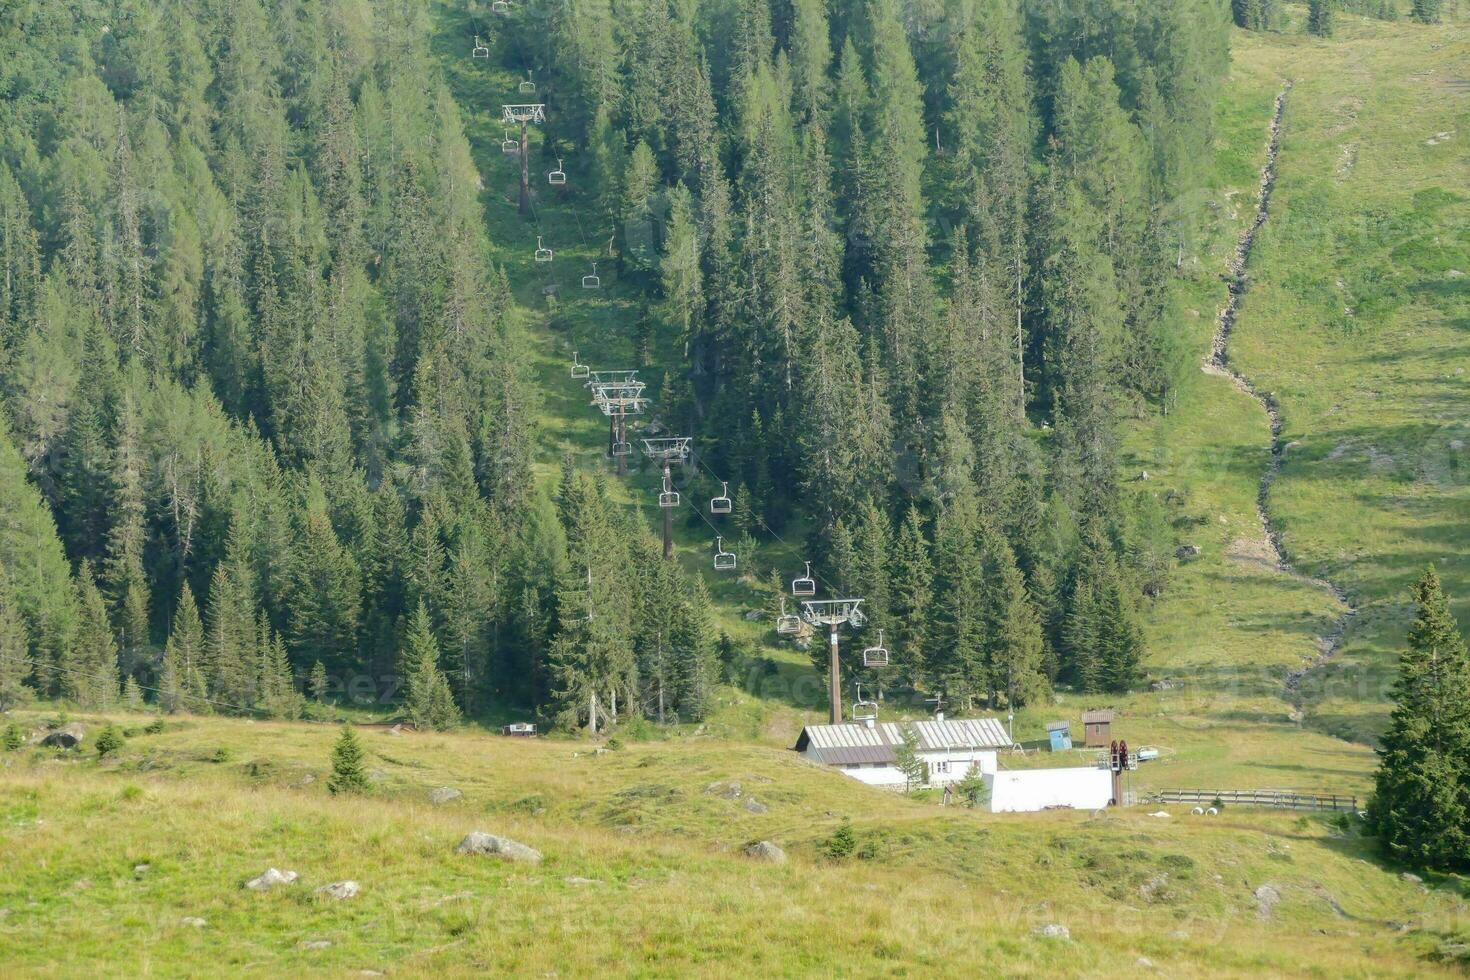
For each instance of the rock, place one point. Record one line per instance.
(576, 882)
(1266, 898)
(1155, 887)
(306, 780)
(66, 737)
(1053, 930)
(504, 848)
(754, 805)
(314, 944)
(339, 890)
(1412, 878)
(1187, 551)
(725, 791)
(377, 775)
(1145, 962)
(193, 922)
(445, 794)
(766, 851)
(1179, 934)
(139, 870)
(755, 615)
(271, 878)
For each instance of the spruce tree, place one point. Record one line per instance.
(349, 774)
(182, 685)
(1319, 17)
(1427, 11)
(428, 701)
(93, 678)
(1421, 801)
(15, 667)
(317, 685)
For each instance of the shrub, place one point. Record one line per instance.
(348, 774)
(14, 738)
(109, 741)
(841, 844)
(154, 727)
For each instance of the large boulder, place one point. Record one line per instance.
(445, 794)
(764, 850)
(504, 848)
(66, 737)
(339, 890)
(1053, 930)
(271, 878)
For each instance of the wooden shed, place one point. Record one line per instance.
(1097, 724)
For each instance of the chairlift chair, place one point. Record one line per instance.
(724, 560)
(528, 87)
(787, 624)
(557, 177)
(510, 147)
(804, 585)
(592, 281)
(479, 50)
(864, 710)
(579, 370)
(668, 498)
(543, 254)
(500, 7)
(622, 449)
(721, 504)
(876, 656)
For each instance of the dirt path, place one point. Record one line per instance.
(1219, 363)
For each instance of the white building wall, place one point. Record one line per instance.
(959, 763)
(1027, 790)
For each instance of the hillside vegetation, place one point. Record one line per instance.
(172, 825)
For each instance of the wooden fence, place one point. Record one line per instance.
(1257, 797)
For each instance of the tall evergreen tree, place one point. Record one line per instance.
(428, 700)
(1421, 801)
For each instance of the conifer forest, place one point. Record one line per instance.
(855, 487)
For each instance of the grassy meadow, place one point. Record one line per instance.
(643, 871)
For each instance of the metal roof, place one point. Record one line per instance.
(1097, 716)
(1058, 726)
(857, 743)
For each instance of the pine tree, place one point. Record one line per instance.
(92, 679)
(1013, 629)
(911, 575)
(109, 740)
(1319, 17)
(428, 701)
(1421, 801)
(906, 758)
(318, 684)
(348, 772)
(15, 667)
(182, 685)
(1427, 11)
(132, 694)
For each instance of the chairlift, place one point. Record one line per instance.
(479, 50)
(500, 7)
(579, 370)
(592, 281)
(510, 147)
(787, 624)
(876, 656)
(668, 498)
(528, 87)
(622, 449)
(864, 710)
(543, 254)
(721, 504)
(558, 176)
(805, 585)
(724, 560)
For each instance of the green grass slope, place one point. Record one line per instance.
(643, 871)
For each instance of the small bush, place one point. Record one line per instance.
(613, 744)
(14, 738)
(841, 845)
(154, 727)
(221, 756)
(348, 774)
(109, 741)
